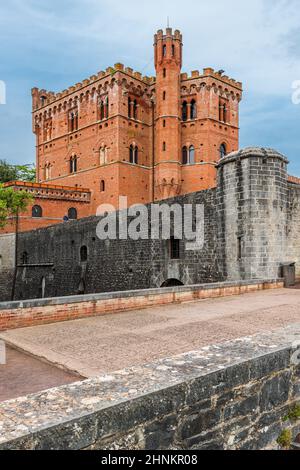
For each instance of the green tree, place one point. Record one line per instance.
(7, 172)
(12, 202)
(26, 172)
(10, 172)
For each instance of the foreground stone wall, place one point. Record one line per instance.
(229, 396)
(39, 312)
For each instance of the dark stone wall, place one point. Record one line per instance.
(251, 227)
(113, 265)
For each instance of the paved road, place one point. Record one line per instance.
(108, 343)
(23, 374)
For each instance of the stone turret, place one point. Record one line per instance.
(252, 197)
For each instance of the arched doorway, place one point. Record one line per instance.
(172, 283)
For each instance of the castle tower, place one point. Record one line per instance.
(252, 211)
(168, 63)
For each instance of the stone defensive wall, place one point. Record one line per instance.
(25, 313)
(237, 395)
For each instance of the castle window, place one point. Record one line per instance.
(184, 111)
(173, 50)
(102, 186)
(164, 95)
(164, 146)
(225, 112)
(37, 212)
(47, 171)
(164, 123)
(135, 109)
(129, 107)
(102, 111)
(107, 107)
(193, 109)
(25, 257)
(73, 121)
(174, 248)
(103, 153)
(223, 151)
(191, 155)
(164, 50)
(184, 156)
(164, 73)
(133, 154)
(83, 254)
(73, 164)
(72, 213)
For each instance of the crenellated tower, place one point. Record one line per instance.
(168, 63)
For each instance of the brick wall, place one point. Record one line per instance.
(30, 313)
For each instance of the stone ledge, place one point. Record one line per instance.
(134, 293)
(193, 391)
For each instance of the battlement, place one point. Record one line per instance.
(42, 98)
(160, 35)
(51, 191)
(210, 72)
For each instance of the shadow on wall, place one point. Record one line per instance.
(172, 283)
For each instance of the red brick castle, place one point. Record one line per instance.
(119, 133)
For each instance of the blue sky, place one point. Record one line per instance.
(54, 44)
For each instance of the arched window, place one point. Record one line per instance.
(133, 154)
(73, 164)
(173, 50)
(164, 49)
(102, 186)
(191, 155)
(73, 121)
(25, 257)
(184, 156)
(164, 123)
(184, 111)
(72, 213)
(193, 109)
(37, 212)
(223, 151)
(164, 73)
(83, 254)
(135, 109)
(164, 95)
(164, 146)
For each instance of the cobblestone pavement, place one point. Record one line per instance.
(108, 343)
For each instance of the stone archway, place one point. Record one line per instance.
(172, 283)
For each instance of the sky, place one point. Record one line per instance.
(55, 44)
